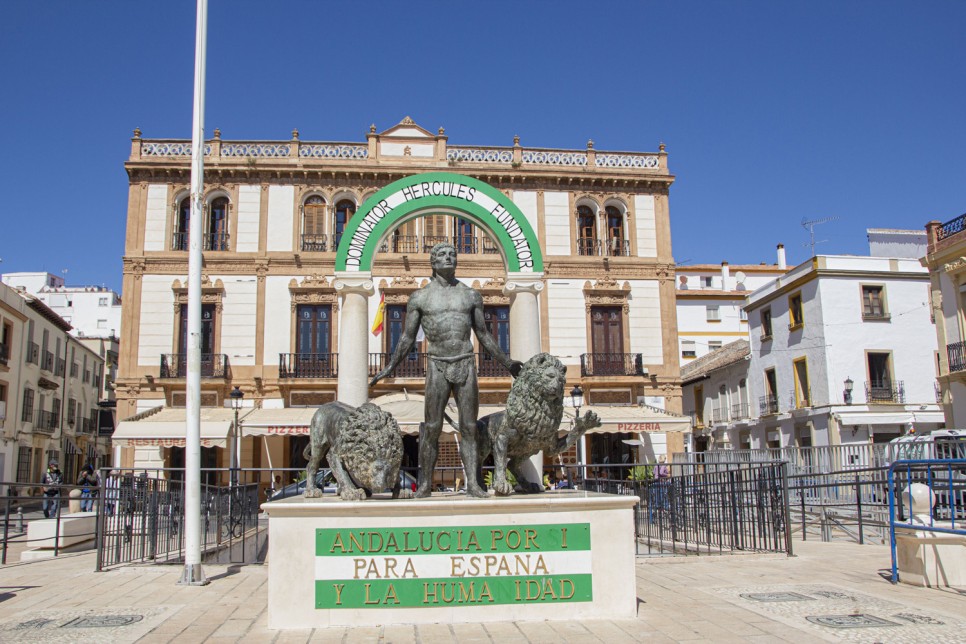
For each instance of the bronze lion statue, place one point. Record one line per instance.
(363, 446)
(529, 424)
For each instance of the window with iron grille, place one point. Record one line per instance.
(27, 415)
(796, 316)
(23, 464)
(71, 411)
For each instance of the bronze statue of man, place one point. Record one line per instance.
(447, 309)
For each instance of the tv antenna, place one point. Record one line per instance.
(809, 225)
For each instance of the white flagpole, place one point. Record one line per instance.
(193, 574)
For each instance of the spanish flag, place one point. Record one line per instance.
(380, 314)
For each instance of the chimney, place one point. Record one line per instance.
(781, 257)
(724, 276)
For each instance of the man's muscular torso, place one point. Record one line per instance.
(446, 315)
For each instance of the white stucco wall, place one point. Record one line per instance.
(568, 319)
(156, 332)
(278, 317)
(281, 217)
(646, 226)
(249, 203)
(645, 321)
(237, 325)
(556, 219)
(155, 217)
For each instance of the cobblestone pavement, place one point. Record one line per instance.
(832, 592)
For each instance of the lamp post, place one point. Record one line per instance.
(847, 394)
(577, 399)
(236, 396)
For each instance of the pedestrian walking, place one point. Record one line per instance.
(91, 481)
(51, 483)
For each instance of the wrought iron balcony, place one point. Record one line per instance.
(46, 420)
(213, 365)
(308, 365)
(611, 364)
(739, 411)
(314, 243)
(210, 241)
(431, 240)
(412, 366)
(47, 361)
(951, 227)
(719, 415)
(216, 241)
(617, 247)
(956, 353)
(767, 405)
(403, 244)
(488, 367)
(885, 391)
(61, 367)
(4, 353)
(588, 246)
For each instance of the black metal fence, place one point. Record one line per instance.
(142, 518)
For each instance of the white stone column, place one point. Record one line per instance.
(524, 291)
(354, 290)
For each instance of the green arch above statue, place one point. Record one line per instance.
(439, 193)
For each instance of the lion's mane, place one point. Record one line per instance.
(369, 444)
(535, 404)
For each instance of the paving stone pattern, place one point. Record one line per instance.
(828, 592)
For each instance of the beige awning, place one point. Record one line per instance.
(167, 428)
(629, 419)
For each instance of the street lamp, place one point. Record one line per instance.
(236, 396)
(577, 399)
(847, 394)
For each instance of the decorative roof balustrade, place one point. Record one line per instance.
(507, 157)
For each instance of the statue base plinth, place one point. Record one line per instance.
(562, 555)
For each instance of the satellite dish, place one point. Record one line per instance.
(740, 276)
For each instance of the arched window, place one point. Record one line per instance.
(343, 212)
(617, 245)
(586, 231)
(216, 237)
(182, 217)
(313, 224)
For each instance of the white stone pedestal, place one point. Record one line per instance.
(562, 555)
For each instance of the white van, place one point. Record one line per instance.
(941, 444)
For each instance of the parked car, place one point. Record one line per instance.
(325, 481)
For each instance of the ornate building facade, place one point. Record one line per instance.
(599, 291)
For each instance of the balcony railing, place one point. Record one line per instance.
(61, 367)
(46, 420)
(951, 227)
(47, 361)
(739, 411)
(308, 365)
(314, 243)
(719, 415)
(175, 365)
(767, 405)
(588, 246)
(488, 367)
(403, 244)
(618, 247)
(431, 240)
(412, 366)
(885, 391)
(957, 356)
(611, 364)
(613, 247)
(210, 241)
(216, 241)
(4, 353)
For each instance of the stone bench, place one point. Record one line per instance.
(76, 533)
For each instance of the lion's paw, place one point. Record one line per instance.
(588, 421)
(314, 493)
(503, 488)
(352, 494)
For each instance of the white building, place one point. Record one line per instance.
(709, 300)
(947, 273)
(842, 350)
(48, 393)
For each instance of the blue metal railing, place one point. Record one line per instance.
(946, 479)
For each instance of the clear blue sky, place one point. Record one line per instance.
(772, 111)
